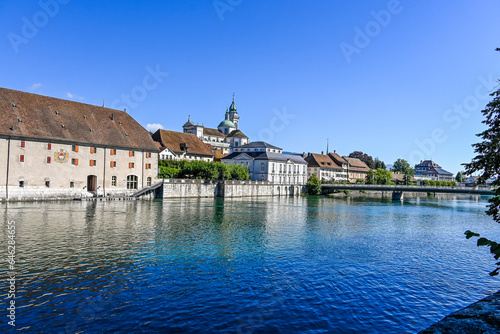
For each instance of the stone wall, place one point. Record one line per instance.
(176, 188)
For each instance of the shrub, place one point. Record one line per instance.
(346, 192)
(313, 185)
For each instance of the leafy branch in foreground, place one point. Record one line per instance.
(487, 163)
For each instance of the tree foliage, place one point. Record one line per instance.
(401, 166)
(379, 176)
(367, 159)
(487, 164)
(313, 185)
(379, 164)
(460, 177)
(201, 170)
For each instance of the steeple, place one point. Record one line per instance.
(233, 113)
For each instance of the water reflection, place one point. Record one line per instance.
(267, 264)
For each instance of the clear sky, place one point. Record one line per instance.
(395, 79)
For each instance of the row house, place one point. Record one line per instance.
(333, 167)
(268, 163)
(57, 148)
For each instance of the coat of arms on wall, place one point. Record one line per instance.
(62, 156)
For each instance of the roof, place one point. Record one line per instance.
(321, 160)
(213, 132)
(438, 171)
(226, 123)
(337, 158)
(176, 141)
(401, 177)
(356, 164)
(237, 133)
(268, 156)
(427, 163)
(28, 115)
(259, 144)
(188, 123)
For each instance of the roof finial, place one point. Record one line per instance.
(326, 146)
(189, 118)
(103, 102)
(233, 96)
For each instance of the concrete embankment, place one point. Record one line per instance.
(480, 317)
(407, 195)
(181, 188)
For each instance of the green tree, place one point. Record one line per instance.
(408, 175)
(487, 163)
(379, 176)
(401, 166)
(379, 164)
(460, 177)
(313, 185)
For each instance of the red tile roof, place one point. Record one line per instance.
(34, 116)
(357, 165)
(212, 132)
(176, 141)
(320, 160)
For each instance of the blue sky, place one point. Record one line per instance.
(395, 79)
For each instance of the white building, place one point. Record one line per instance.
(268, 163)
(226, 135)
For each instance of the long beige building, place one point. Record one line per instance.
(53, 148)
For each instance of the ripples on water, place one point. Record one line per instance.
(275, 265)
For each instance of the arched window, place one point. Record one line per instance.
(132, 182)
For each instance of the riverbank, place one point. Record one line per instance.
(480, 317)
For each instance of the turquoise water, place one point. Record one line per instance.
(268, 265)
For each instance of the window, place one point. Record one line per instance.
(112, 164)
(132, 182)
(75, 148)
(148, 182)
(113, 181)
(21, 183)
(48, 160)
(131, 153)
(74, 162)
(49, 146)
(72, 184)
(93, 163)
(21, 158)
(148, 166)
(112, 152)
(47, 183)
(130, 165)
(93, 150)
(23, 144)
(262, 166)
(148, 154)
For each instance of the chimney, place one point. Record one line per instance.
(321, 152)
(334, 151)
(112, 117)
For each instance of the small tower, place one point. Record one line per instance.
(233, 114)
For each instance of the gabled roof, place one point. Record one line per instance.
(212, 132)
(428, 163)
(356, 164)
(337, 158)
(41, 117)
(237, 133)
(178, 141)
(259, 144)
(320, 160)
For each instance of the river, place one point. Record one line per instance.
(266, 265)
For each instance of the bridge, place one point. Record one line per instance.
(398, 190)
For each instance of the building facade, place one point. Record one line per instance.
(268, 163)
(325, 168)
(429, 170)
(54, 148)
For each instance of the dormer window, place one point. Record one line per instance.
(14, 105)
(57, 113)
(84, 117)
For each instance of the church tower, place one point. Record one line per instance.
(233, 114)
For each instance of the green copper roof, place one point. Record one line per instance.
(227, 123)
(232, 107)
